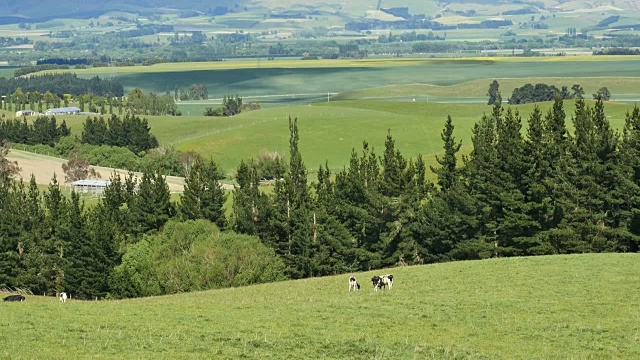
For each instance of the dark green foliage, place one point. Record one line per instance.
(203, 196)
(43, 130)
(130, 132)
(65, 83)
(494, 93)
(191, 256)
(549, 192)
(151, 207)
(540, 92)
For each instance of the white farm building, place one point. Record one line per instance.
(93, 187)
(63, 111)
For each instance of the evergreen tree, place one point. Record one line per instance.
(334, 250)
(294, 196)
(248, 202)
(494, 93)
(203, 196)
(448, 173)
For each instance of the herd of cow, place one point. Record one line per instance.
(379, 282)
(21, 298)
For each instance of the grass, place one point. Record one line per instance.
(329, 131)
(259, 77)
(579, 306)
(622, 88)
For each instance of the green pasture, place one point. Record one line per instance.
(552, 307)
(259, 77)
(329, 131)
(7, 71)
(622, 89)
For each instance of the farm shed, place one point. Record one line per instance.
(93, 187)
(25, 113)
(63, 111)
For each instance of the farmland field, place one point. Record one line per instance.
(329, 131)
(577, 306)
(260, 77)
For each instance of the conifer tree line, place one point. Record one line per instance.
(517, 193)
(545, 192)
(130, 132)
(43, 130)
(65, 83)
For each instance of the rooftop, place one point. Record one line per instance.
(103, 183)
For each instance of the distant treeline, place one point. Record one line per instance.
(617, 51)
(43, 130)
(9, 41)
(35, 68)
(373, 24)
(143, 29)
(60, 84)
(63, 61)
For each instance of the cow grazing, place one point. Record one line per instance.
(388, 280)
(353, 284)
(379, 282)
(63, 297)
(15, 298)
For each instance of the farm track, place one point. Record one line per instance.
(43, 167)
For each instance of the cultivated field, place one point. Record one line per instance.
(560, 307)
(259, 77)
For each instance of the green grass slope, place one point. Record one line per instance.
(622, 88)
(560, 307)
(329, 131)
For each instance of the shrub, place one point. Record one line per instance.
(194, 255)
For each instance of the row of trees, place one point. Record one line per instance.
(139, 102)
(194, 92)
(543, 92)
(130, 132)
(544, 192)
(43, 130)
(231, 105)
(35, 101)
(65, 83)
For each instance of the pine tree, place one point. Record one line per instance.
(448, 173)
(334, 250)
(290, 221)
(151, 206)
(515, 224)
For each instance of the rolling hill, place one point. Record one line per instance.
(564, 306)
(41, 10)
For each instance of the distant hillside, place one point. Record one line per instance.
(40, 10)
(13, 11)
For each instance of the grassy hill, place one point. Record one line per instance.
(328, 131)
(578, 306)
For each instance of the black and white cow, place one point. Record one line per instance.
(15, 298)
(379, 282)
(63, 297)
(353, 284)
